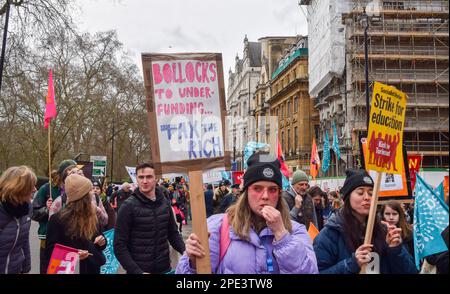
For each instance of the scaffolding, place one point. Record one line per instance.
(408, 48)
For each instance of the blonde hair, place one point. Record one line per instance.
(242, 218)
(80, 218)
(16, 185)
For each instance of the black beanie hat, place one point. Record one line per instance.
(355, 178)
(262, 167)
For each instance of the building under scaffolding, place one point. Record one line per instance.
(408, 48)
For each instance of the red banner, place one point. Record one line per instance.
(237, 177)
(414, 164)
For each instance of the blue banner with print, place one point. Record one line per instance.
(336, 142)
(112, 264)
(430, 219)
(250, 149)
(326, 153)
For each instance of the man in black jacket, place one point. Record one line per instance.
(144, 227)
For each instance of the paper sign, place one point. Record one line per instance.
(213, 175)
(386, 123)
(186, 107)
(132, 173)
(392, 185)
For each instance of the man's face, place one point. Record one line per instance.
(301, 187)
(146, 180)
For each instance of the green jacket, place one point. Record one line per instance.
(40, 211)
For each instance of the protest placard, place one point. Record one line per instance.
(186, 109)
(385, 142)
(112, 264)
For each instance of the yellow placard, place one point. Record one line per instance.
(386, 123)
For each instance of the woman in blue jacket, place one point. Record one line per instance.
(340, 247)
(17, 185)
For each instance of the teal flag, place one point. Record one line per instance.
(112, 264)
(285, 182)
(336, 142)
(440, 191)
(430, 219)
(250, 149)
(326, 153)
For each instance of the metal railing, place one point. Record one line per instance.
(404, 50)
(404, 74)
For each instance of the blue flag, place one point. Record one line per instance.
(440, 191)
(430, 219)
(250, 149)
(112, 264)
(326, 153)
(336, 142)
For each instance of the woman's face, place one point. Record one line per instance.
(262, 193)
(33, 190)
(391, 216)
(360, 200)
(96, 190)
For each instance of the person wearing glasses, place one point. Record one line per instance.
(256, 234)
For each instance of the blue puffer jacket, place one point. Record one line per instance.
(14, 243)
(333, 256)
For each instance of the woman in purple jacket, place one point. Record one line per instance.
(262, 238)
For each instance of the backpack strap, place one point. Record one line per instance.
(225, 239)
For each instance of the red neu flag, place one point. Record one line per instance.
(315, 160)
(284, 168)
(414, 163)
(50, 104)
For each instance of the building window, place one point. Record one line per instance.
(263, 98)
(288, 110)
(282, 111)
(282, 141)
(295, 104)
(295, 138)
(289, 140)
(244, 110)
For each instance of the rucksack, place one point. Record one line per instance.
(225, 239)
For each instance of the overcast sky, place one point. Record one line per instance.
(169, 26)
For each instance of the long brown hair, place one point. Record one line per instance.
(402, 224)
(242, 218)
(80, 218)
(355, 231)
(16, 185)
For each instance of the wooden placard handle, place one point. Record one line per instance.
(372, 215)
(199, 227)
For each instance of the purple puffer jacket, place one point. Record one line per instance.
(293, 254)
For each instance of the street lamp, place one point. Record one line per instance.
(5, 9)
(364, 22)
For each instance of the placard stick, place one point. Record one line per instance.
(372, 215)
(199, 227)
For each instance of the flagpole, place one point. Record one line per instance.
(49, 161)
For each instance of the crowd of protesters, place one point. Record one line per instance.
(254, 227)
